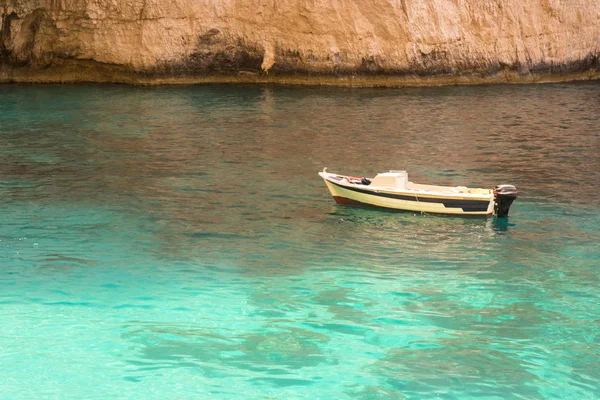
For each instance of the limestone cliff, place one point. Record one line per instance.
(369, 41)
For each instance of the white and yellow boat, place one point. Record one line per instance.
(392, 190)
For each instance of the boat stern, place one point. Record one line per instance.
(504, 195)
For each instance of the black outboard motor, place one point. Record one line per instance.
(504, 195)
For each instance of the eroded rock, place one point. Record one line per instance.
(145, 40)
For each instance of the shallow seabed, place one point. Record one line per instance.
(177, 243)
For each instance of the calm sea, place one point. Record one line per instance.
(177, 243)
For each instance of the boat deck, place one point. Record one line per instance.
(447, 189)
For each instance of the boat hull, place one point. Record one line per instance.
(411, 201)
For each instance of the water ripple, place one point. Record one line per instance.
(176, 242)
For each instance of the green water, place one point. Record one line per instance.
(177, 243)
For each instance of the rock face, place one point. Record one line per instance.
(187, 40)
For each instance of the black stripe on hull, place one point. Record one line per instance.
(465, 205)
(351, 202)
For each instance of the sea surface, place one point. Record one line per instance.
(177, 243)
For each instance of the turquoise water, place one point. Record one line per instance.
(176, 242)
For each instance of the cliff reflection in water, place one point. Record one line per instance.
(209, 165)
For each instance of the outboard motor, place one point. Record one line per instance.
(504, 195)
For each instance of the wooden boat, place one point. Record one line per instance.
(392, 190)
